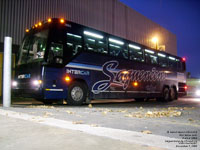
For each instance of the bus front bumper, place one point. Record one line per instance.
(28, 93)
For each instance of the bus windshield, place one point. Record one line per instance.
(33, 48)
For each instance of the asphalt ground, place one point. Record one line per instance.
(168, 120)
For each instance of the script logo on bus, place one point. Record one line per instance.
(124, 77)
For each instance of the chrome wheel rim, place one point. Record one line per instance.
(77, 93)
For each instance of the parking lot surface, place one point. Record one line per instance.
(148, 118)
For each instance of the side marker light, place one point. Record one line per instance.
(49, 20)
(62, 21)
(40, 23)
(183, 59)
(67, 79)
(135, 84)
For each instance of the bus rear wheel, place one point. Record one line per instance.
(166, 95)
(173, 94)
(77, 93)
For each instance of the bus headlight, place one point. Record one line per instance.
(37, 82)
(197, 92)
(14, 83)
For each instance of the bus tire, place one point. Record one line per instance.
(166, 94)
(173, 94)
(77, 93)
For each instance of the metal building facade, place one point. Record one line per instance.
(110, 16)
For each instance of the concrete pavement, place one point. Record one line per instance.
(25, 131)
(101, 126)
(18, 134)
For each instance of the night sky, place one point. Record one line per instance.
(181, 17)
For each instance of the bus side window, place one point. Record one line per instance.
(179, 65)
(154, 59)
(114, 49)
(124, 53)
(183, 68)
(118, 49)
(172, 62)
(162, 60)
(95, 42)
(151, 57)
(74, 43)
(56, 53)
(90, 44)
(102, 46)
(136, 53)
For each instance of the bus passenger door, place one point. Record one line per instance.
(54, 70)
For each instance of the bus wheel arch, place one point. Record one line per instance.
(77, 92)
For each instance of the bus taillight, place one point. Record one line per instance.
(185, 87)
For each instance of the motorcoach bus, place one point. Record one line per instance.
(59, 59)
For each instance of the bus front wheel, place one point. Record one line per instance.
(77, 93)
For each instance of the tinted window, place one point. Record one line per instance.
(56, 49)
(117, 48)
(162, 60)
(136, 53)
(172, 62)
(151, 57)
(179, 65)
(95, 42)
(74, 43)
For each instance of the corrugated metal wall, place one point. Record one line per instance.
(107, 15)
